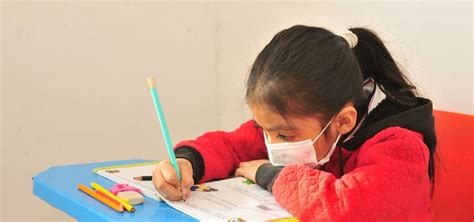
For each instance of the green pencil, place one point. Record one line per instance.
(164, 127)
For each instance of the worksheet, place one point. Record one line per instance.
(234, 199)
(230, 199)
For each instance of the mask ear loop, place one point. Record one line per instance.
(341, 159)
(324, 129)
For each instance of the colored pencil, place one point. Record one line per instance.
(126, 205)
(100, 198)
(164, 128)
(143, 178)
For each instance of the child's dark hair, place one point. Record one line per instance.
(305, 71)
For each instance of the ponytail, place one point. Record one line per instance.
(375, 61)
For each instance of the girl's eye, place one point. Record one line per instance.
(283, 137)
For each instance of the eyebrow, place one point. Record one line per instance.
(279, 127)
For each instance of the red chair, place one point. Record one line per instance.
(453, 197)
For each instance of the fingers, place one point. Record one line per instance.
(186, 176)
(169, 174)
(166, 182)
(239, 172)
(186, 173)
(167, 190)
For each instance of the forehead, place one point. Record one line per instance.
(272, 121)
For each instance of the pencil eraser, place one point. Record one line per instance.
(120, 187)
(132, 197)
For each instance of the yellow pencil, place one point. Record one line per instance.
(111, 204)
(126, 205)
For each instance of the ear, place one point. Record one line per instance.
(346, 119)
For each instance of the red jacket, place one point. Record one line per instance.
(386, 179)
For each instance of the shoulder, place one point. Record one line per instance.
(395, 133)
(396, 143)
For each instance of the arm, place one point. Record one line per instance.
(216, 155)
(390, 181)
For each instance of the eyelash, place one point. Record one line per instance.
(279, 136)
(283, 137)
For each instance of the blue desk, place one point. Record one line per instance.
(58, 187)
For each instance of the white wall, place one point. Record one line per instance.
(73, 75)
(75, 89)
(1, 116)
(432, 41)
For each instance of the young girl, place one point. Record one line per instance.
(338, 132)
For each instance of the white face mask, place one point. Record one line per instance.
(302, 152)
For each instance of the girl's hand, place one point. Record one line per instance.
(166, 181)
(249, 169)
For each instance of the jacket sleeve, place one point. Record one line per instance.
(222, 152)
(390, 181)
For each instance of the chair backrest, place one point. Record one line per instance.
(453, 197)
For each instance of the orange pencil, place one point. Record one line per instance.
(107, 197)
(124, 203)
(100, 198)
